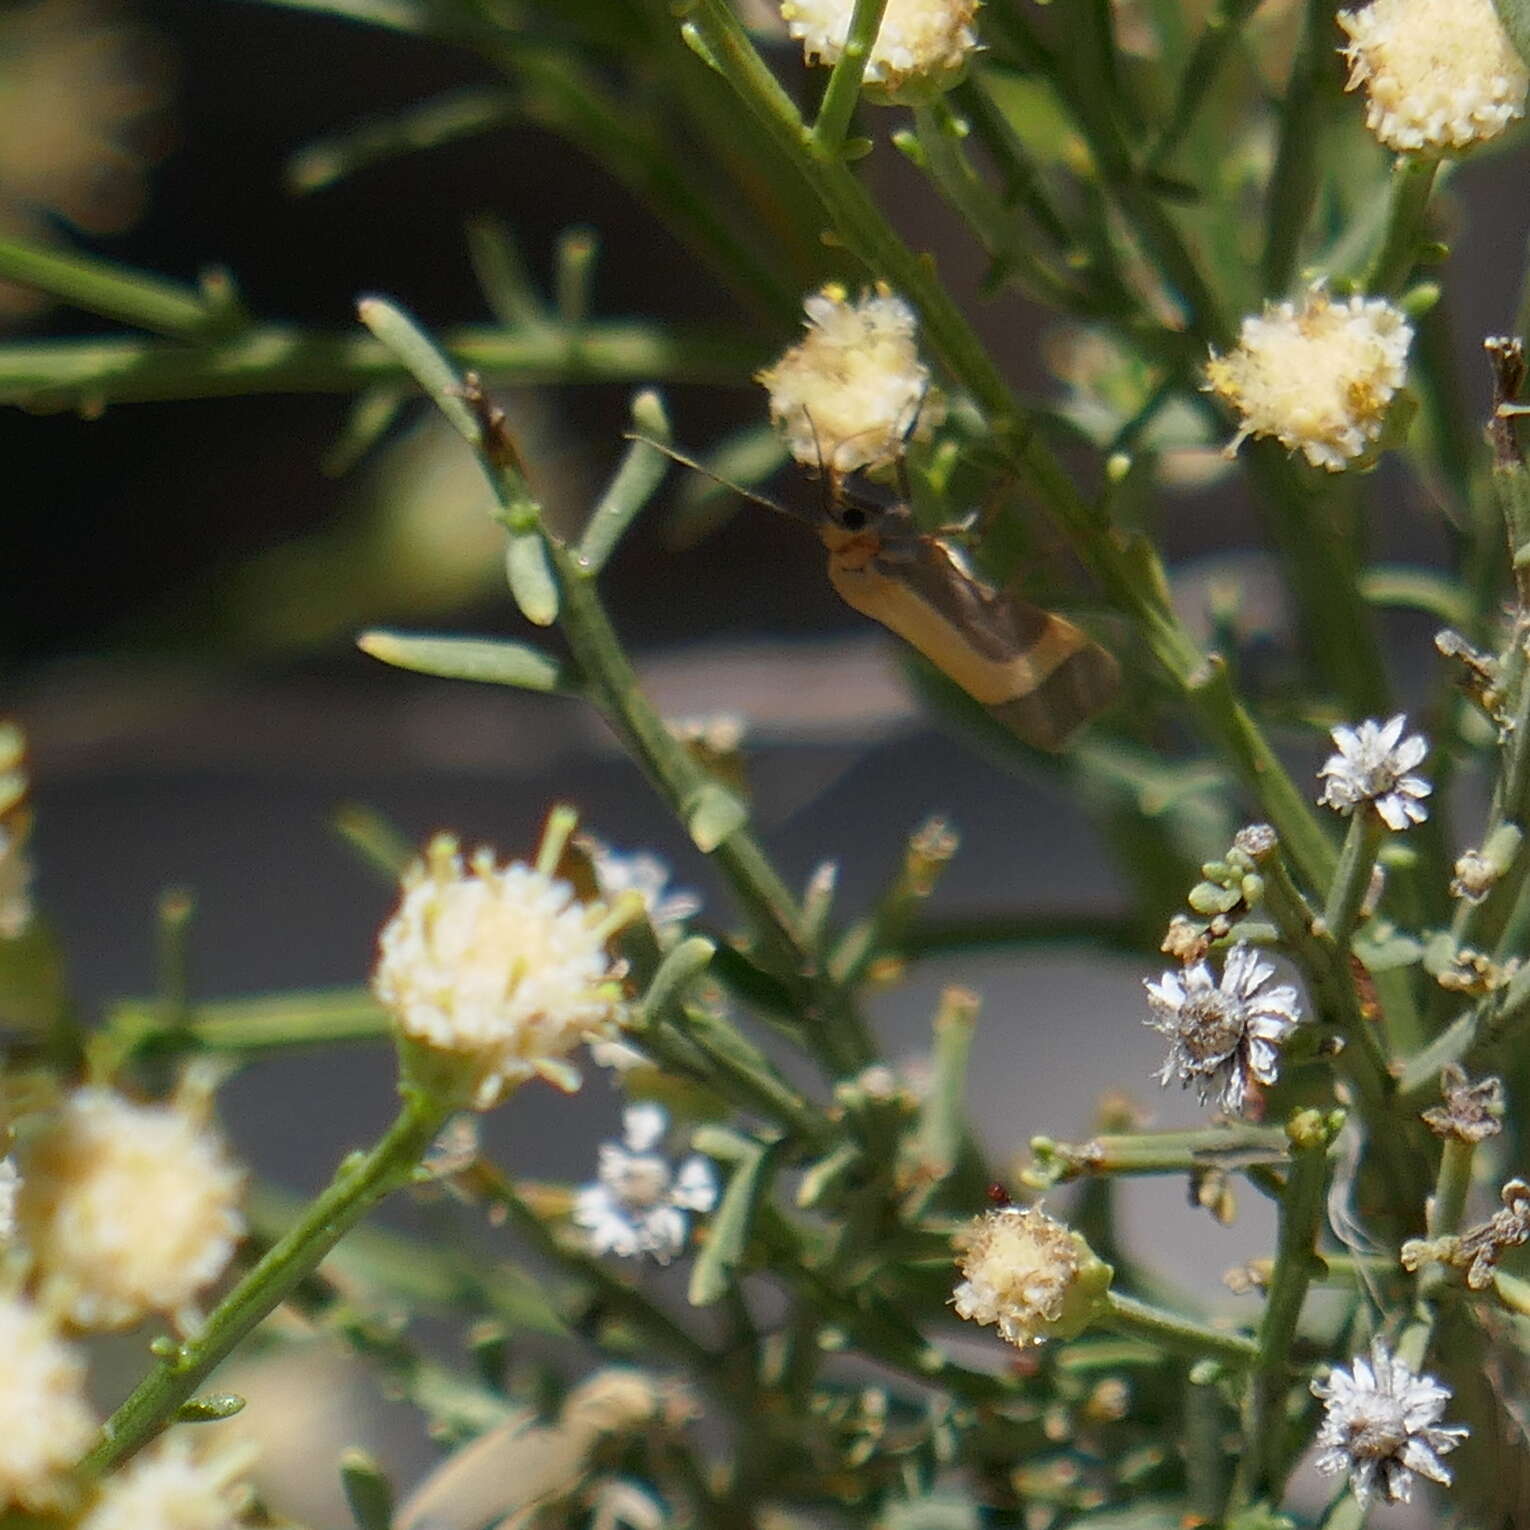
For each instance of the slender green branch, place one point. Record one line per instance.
(115, 292)
(844, 87)
(1296, 1262)
(1352, 879)
(1294, 184)
(1180, 1335)
(273, 358)
(267, 1023)
(1218, 38)
(1413, 181)
(359, 1184)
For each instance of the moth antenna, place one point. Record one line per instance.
(706, 472)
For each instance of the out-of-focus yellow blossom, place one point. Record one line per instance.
(127, 1209)
(45, 1422)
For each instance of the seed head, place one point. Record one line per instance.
(1373, 766)
(1380, 1424)
(1223, 1033)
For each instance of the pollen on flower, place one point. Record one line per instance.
(1029, 1274)
(45, 1422)
(920, 50)
(173, 1487)
(127, 1209)
(1319, 376)
(1438, 74)
(849, 394)
(498, 969)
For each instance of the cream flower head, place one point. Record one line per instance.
(1438, 74)
(1375, 765)
(498, 971)
(45, 1422)
(174, 1487)
(1029, 1274)
(848, 395)
(127, 1209)
(920, 50)
(1319, 376)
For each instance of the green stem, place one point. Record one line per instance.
(844, 87)
(1352, 879)
(1296, 1262)
(613, 686)
(1179, 1335)
(1186, 1152)
(1218, 37)
(270, 1023)
(358, 1185)
(1412, 186)
(276, 358)
(1294, 183)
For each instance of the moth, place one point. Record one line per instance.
(1035, 672)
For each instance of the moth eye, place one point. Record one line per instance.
(853, 518)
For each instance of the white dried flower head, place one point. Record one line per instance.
(646, 875)
(1319, 376)
(639, 1203)
(1380, 1425)
(849, 394)
(1223, 1033)
(1438, 74)
(497, 971)
(174, 1487)
(45, 1422)
(1373, 766)
(1029, 1274)
(127, 1209)
(921, 48)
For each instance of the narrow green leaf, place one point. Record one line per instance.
(679, 969)
(442, 120)
(531, 580)
(487, 660)
(210, 1408)
(715, 1270)
(367, 1491)
(503, 275)
(1416, 589)
(368, 420)
(640, 473)
(150, 302)
(943, 1118)
(712, 813)
(574, 270)
(425, 361)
